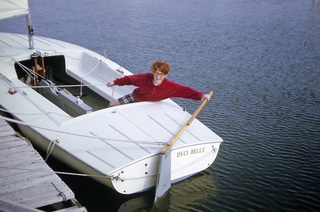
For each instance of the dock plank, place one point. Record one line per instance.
(41, 195)
(32, 179)
(12, 206)
(25, 156)
(5, 132)
(12, 173)
(10, 139)
(18, 149)
(25, 179)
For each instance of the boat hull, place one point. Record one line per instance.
(140, 175)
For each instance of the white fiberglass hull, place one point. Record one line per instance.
(140, 175)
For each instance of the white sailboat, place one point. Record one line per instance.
(56, 93)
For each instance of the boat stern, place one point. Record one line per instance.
(141, 175)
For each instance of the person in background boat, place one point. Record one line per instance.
(154, 86)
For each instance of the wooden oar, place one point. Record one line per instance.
(164, 171)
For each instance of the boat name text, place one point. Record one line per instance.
(190, 152)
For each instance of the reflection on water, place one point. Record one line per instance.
(183, 196)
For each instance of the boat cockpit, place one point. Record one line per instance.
(47, 75)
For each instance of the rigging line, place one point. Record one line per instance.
(82, 135)
(32, 114)
(60, 86)
(45, 50)
(35, 103)
(27, 70)
(87, 74)
(100, 35)
(74, 58)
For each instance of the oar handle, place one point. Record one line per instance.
(184, 127)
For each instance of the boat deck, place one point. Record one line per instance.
(27, 183)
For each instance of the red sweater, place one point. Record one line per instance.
(147, 91)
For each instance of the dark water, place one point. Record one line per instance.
(261, 59)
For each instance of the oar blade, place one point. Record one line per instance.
(164, 174)
(164, 171)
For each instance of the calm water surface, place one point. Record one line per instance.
(261, 59)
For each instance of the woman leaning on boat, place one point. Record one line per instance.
(154, 86)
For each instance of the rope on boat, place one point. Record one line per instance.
(23, 138)
(58, 172)
(100, 34)
(111, 97)
(33, 74)
(50, 148)
(60, 86)
(87, 74)
(97, 176)
(60, 192)
(82, 135)
(32, 114)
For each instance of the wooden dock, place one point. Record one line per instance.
(27, 183)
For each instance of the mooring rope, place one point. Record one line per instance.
(50, 148)
(64, 197)
(101, 176)
(58, 172)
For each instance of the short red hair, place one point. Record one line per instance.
(162, 66)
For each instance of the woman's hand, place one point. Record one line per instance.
(110, 84)
(205, 96)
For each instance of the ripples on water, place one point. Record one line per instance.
(261, 58)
